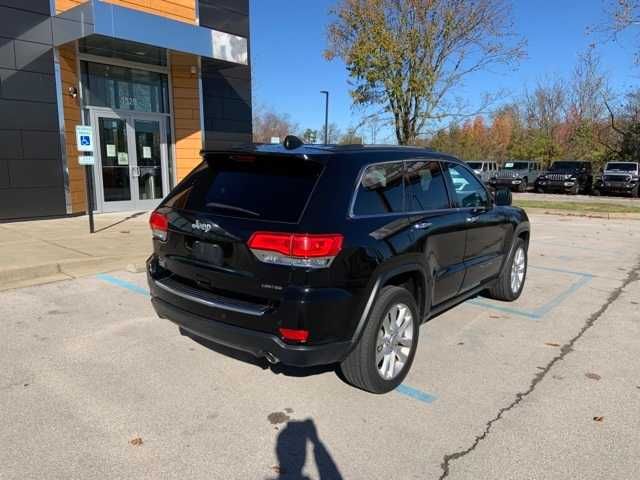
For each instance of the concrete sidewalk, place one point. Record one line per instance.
(43, 251)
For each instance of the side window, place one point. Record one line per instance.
(468, 190)
(425, 186)
(381, 190)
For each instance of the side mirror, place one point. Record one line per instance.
(503, 198)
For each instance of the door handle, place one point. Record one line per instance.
(422, 226)
(472, 219)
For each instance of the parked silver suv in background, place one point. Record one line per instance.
(619, 178)
(484, 170)
(516, 175)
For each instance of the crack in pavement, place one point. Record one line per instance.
(632, 275)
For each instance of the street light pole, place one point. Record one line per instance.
(326, 117)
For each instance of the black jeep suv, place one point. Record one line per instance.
(320, 255)
(572, 177)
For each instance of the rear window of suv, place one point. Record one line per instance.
(275, 189)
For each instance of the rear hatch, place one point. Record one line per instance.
(215, 211)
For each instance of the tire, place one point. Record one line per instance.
(503, 289)
(361, 367)
(596, 193)
(575, 190)
(539, 190)
(635, 193)
(524, 186)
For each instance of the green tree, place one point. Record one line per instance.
(409, 56)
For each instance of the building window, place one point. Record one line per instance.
(123, 88)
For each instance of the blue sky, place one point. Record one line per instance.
(289, 36)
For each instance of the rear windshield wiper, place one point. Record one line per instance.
(224, 206)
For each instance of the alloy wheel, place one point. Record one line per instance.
(518, 268)
(395, 340)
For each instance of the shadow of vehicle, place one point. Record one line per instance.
(291, 449)
(278, 368)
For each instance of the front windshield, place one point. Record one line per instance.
(565, 166)
(516, 166)
(475, 165)
(622, 167)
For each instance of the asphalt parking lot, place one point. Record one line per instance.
(94, 386)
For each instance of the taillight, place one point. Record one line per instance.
(159, 224)
(298, 250)
(291, 335)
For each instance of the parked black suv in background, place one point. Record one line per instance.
(321, 255)
(572, 177)
(619, 178)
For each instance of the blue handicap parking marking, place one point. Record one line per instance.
(542, 311)
(85, 140)
(132, 287)
(415, 393)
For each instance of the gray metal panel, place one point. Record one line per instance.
(7, 53)
(34, 57)
(30, 86)
(35, 173)
(36, 6)
(20, 115)
(31, 202)
(27, 26)
(4, 173)
(99, 18)
(11, 144)
(38, 145)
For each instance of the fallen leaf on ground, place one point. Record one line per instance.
(495, 316)
(136, 442)
(552, 344)
(462, 343)
(598, 419)
(592, 376)
(278, 469)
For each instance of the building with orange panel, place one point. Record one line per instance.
(153, 81)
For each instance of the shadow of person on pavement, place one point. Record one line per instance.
(291, 449)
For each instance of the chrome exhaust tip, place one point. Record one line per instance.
(271, 358)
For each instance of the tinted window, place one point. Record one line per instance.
(468, 189)
(425, 187)
(516, 166)
(266, 188)
(124, 88)
(622, 167)
(380, 190)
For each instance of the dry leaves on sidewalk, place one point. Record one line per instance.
(136, 442)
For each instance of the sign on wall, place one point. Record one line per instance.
(84, 138)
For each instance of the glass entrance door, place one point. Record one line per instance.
(132, 167)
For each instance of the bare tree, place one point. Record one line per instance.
(268, 124)
(545, 107)
(622, 15)
(589, 88)
(409, 56)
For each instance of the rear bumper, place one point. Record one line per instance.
(256, 343)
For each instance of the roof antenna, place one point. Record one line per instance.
(291, 142)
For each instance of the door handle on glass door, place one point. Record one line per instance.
(422, 226)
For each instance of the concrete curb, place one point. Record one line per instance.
(56, 271)
(568, 213)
